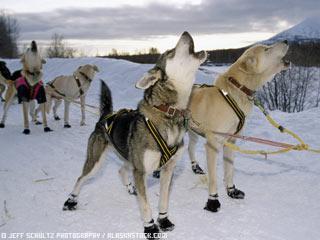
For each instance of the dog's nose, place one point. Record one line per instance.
(285, 42)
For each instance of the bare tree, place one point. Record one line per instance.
(153, 50)
(288, 90)
(58, 48)
(9, 34)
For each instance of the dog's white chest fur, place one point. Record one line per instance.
(151, 160)
(174, 136)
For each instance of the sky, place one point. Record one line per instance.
(97, 26)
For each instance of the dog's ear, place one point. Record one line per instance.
(43, 61)
(149, 79)
(95, 68)
(248, 65)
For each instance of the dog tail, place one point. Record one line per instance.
(106, 106)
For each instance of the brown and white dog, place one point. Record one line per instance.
(210, 109)
(28, 86)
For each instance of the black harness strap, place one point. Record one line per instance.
(79, 85)
(235, 108)
(56, 90)
(86, 77)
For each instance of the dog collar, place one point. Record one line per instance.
(171, 111)
(32, 73)
(243, 88)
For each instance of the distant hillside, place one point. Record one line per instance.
(304, 32)
(301, 54)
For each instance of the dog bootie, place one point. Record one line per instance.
(2, 125)
(70, 204)
(151, 230)
(26, 131)
(67, 126)
(57, 118)
(47, 129)
(196, 168)
(165, 224)
(233, 192)
(131, 189)
(156, 174)
(213, 204)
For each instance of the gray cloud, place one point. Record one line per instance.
(230, 16)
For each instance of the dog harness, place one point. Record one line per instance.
(56, 90)
(33, 90)
(232, 103)
(51, 84)
(236, 109)
(166, 151)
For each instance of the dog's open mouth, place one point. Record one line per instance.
(286, 62)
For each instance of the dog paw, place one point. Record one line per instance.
(2, 125)
(165, 224)
(37, 122)
(47, 129)
(26, 131)
(197, 169)
(235, 193)
(70, 204)
(213, 205)
(156, 174)
(83, 124)
(67, 126)
(57, 118)
(152, 231)
(132, 189)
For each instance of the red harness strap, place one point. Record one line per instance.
(33, 91)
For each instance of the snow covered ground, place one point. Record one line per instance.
(282, 192)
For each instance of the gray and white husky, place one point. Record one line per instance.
(167, 90)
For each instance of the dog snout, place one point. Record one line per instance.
(202, 55)
(186, 34)
(285, 42)
(186, 43)
(186, 38)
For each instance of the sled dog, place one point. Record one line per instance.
(150, 136)
(211, 109)
(70, 88)
(28, 85)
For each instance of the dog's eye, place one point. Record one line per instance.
(266, 49)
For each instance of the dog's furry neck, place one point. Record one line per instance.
(244, 102)
(163, 92)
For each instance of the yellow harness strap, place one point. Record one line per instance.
(236, 109)
(167, 152)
